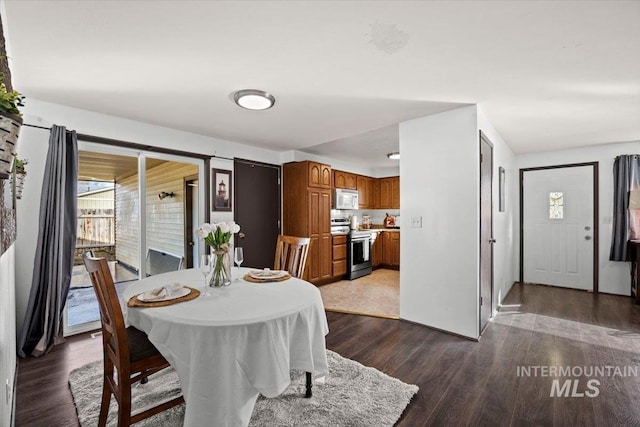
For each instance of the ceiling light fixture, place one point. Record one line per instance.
(394, 156)
(253, 99)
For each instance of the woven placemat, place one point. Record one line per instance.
(135, 302)
(248, 278)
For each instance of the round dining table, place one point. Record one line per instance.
(235, 343)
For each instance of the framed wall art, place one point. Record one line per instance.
(222, 195)
(501, 189)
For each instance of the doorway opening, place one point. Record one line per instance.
(559, 225)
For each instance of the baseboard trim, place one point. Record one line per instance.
(12, 417)
(361, 313)
(442, 330)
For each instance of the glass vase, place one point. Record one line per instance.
(221, 275)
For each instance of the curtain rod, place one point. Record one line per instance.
(118, 143)
(37, 126)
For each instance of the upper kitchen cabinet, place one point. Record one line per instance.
(366, 198)
(344, 180)
(389, 193)
(395, 192)
(319, 175)
(375, 188)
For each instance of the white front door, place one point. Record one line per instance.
(558, 227)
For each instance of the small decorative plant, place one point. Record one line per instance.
(19, 165)
(9, 101)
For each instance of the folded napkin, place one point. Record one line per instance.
(163, 292)
(267, 274)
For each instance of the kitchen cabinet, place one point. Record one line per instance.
(385, 193)
(365, 192)
(389, 193)
(377, 251)
(307, 213)
(344, 180)
(319, 175)
(394, 249)
(373, 193)
(395, 192)
(388, 253)
(339, 257)
(375, 189)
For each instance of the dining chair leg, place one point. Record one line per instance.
(309, 385)
(124, 406)
(104, 402)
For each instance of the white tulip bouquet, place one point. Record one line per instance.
(218, 236)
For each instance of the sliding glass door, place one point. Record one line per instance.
(136, 209)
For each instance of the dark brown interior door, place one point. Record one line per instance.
(190, 217)
(257, 211)
(486, 231)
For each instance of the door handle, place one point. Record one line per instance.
(492, 241)
(190, 243)
(241, 235)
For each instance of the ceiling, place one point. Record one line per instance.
(549, 75)
(109, 167)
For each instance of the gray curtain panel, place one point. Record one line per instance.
(626, 177)
(56, 242)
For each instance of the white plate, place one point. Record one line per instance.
(181, 293)
(267, 274)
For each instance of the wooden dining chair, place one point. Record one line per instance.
(291, 254)
(128, 351)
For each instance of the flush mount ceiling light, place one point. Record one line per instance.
(253, 99)
(394, 156)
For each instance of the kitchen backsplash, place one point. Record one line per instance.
(377, 215)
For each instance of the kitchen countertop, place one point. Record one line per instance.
(379, 230)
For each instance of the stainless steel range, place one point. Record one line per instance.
(339, 226)
(358, 254)
(358, 248)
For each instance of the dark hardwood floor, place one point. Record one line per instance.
(461, 382)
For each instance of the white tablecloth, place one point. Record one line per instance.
(240, 341)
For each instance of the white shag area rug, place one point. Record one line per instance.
(352, 395)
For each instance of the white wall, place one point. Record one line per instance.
(613, 276)
(439, 277)
(33, 146)
(7, 334)
(505, 224)
(439, 181)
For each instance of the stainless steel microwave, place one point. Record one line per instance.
(345, 199)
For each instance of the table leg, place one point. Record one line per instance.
(309, 385)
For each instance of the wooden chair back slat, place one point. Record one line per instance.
(110, 311)
(291, 254)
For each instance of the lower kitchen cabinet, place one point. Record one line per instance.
(339, 256)
(377, 251)
(394, 239)
(386, 250)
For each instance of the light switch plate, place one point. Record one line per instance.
(416, 222)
